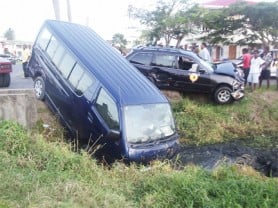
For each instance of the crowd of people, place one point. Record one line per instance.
(256, 67)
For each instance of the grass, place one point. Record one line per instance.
(254, 118)
(39, 171)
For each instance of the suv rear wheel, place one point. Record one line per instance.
(223, 95)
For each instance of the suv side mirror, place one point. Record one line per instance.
(202, 71)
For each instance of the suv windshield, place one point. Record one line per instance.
(147, 123)
(207, 65)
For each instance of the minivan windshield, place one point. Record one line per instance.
(148, 123)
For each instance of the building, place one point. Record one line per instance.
(221, 51)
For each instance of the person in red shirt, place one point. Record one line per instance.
(246, 61)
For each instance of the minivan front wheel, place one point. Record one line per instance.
(39, 87)
(223, 95)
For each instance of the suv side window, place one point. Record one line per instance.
(164, 60)
(107, 108)
(141, 58)
(187, 63)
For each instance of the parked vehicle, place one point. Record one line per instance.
(5, 70)
(99, 95)
(12, 58)
(177, 69)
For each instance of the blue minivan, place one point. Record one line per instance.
(99, 96)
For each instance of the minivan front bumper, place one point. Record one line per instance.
(148, 152)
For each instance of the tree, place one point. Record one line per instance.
(119, 40)
(171, 19)
(9, 34)
(243, 24)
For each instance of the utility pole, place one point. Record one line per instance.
(56, 7)
(69, 10)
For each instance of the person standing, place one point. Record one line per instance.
(275, 64)
(255, 69)
(265, 73)
(25, 59)
(204, 53)
(246, 61)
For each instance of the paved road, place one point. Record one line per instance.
(17, 79)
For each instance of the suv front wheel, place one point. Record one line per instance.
(223, 95)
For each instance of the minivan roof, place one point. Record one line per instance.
(116, 74)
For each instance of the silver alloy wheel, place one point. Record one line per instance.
(39, 88)
(224, 95)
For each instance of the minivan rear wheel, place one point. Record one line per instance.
(39, 87)
(223, 95)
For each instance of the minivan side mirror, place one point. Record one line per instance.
(113, 134)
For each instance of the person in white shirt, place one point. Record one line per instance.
(255, 70)
(25, 59)
(204, 53)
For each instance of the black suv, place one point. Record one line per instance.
(181, 70)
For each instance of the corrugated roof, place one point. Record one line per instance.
(121, 79)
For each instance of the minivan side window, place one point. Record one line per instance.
(66, 65)
(107, 108)
(58, 54)
(52, 47)
(43, 38)
(80, 80)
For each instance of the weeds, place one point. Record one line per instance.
(203, 123)
(44, 172)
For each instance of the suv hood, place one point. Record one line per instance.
(228, 69)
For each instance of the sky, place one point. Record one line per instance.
(106, 17)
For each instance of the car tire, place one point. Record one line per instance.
(5, 80)
(223, 95)
(39, 87)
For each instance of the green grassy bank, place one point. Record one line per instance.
(37, 169)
